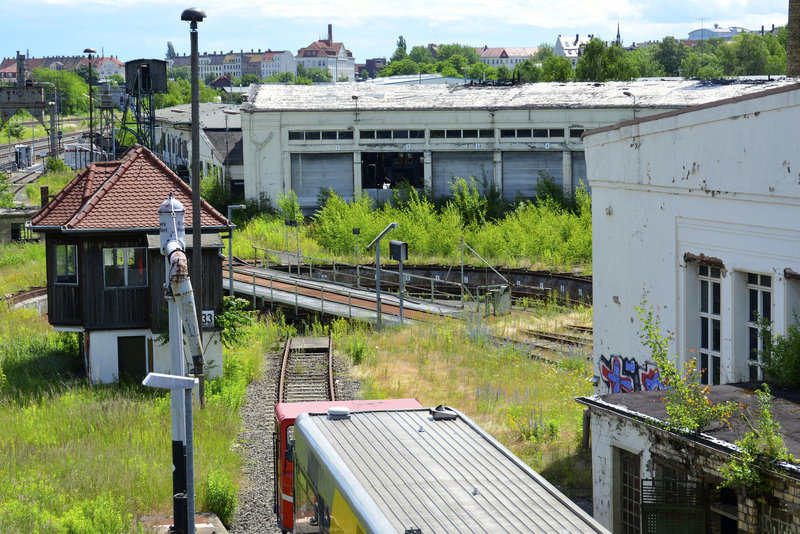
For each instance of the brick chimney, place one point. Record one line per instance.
(330, 34)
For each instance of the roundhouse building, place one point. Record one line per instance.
(354, 138)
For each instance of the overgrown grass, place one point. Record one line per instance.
(21, 266)
(84, 458)
(524, 403)
(55, 181)
(535, 234)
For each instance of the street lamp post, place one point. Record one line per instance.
(90, 51)
(628, 93)
(193, 16)
(230, 244)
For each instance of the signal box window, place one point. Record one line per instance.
(125, 267)
(66, 264)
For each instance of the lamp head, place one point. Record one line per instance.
(89, 51)
(193, 14)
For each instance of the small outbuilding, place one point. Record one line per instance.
(106, 274)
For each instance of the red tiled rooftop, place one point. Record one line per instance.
(122, 195)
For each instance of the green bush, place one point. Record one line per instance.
(103, 515)
(55, 165)
(221, 496)
(781, 354)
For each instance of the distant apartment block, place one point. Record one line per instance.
(258, 63)
(326, 54)
(105, 65)
(508, 56)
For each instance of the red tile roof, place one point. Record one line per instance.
(122, 195)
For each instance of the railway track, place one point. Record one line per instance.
(563, 339)
(307, 370)
(19, 182)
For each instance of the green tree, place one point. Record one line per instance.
(84, 71)
(71, 90)
(209, 78)
(669, 53)
(302, 71)
(184, 72)
(6, 193)
(644, 65)
(117, 79)
(590, 64)
(318, 74)
(617, 65)
(504, 74)
(421, 54)
(704, 66)
(400, 52)
(364, 74)
(557, 69)
(528, 71)
(247, 79)
(467, 52)
(170, 51)
(396, 68)
(544, 52)
(481, 71)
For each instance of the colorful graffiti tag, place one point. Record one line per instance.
(625, 375)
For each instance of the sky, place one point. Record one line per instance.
(135, 29)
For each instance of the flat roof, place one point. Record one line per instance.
(649, 93)
(646, 405)
(212, 115)
(444, 475)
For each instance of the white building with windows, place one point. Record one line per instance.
(325, 54)
(696, 211)
(570, 48)
(508, 56)
(367, 138)
(277, 63)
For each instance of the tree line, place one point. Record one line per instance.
(746, 54)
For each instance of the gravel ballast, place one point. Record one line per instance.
(254, 514)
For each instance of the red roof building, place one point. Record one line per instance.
(105, 271)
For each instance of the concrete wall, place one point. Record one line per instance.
(267, 148)
(723, 181)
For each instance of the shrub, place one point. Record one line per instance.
(55, 165)
(688, 407)
(221, 496)
(781, 354)
(103, 515)
(290, 207)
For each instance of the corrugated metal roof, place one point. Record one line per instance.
(442, 476)
(649, 93)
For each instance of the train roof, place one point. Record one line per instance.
(437, 471)
(291, 410)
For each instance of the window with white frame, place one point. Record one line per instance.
(125, 267)
(759, 305)
(709, 318)
(66, 265)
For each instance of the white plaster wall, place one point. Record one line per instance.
(723, 181)
(609, 432)
(212, 355)
(103, 353)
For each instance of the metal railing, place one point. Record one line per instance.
(431, 289)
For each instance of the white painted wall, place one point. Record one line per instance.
(608, 433)
(723, 181)
(103, 354)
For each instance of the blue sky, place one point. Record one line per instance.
(132, 29)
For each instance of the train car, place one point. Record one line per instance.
(418, 471)
(285, 415)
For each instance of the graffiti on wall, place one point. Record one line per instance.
(625, 375)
